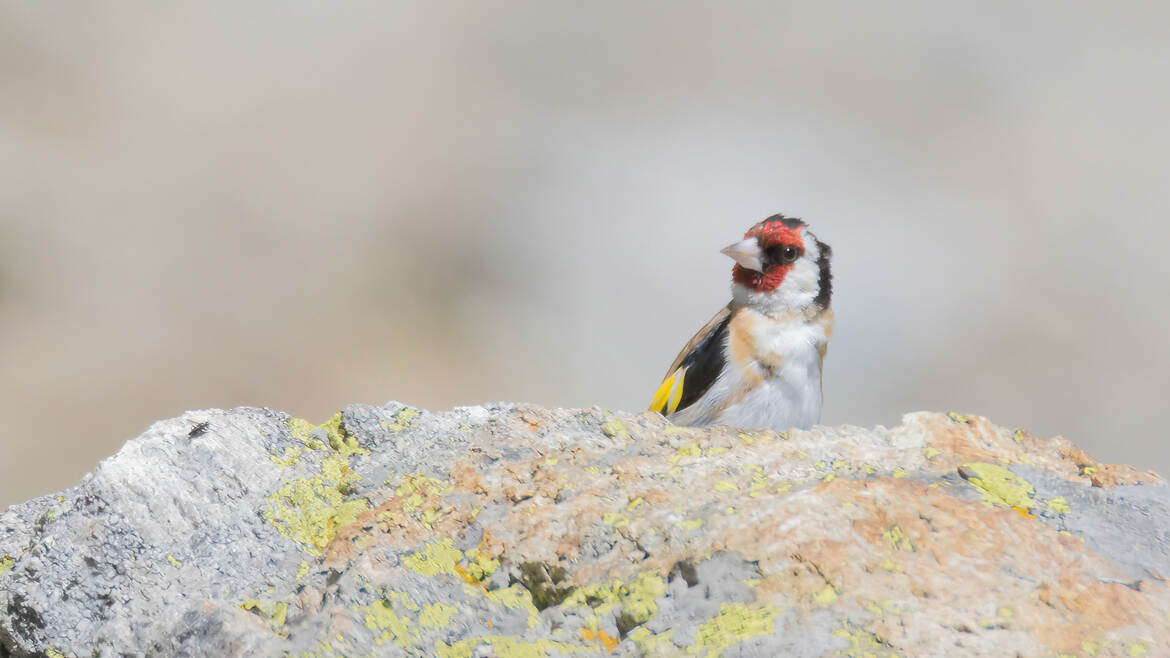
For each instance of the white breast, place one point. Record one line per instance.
(789, 394)
(789, 398)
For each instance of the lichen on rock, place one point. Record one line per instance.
(514, 530)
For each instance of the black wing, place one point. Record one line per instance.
(696, 368)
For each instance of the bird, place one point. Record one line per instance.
(757, 363)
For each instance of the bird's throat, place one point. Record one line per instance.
(760, 281)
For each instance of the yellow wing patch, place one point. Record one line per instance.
(668, 395)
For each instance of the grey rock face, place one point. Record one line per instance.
(515, 530)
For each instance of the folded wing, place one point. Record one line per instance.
(697, 367)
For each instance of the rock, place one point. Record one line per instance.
(513, 530)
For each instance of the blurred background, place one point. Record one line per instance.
(302, 205)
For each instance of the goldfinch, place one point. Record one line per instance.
(757, 363)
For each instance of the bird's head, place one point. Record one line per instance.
(781, 266)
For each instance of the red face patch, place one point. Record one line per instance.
(769, 233)
(772, 233)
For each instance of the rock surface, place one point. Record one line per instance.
(520, 531)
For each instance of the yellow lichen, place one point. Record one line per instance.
(931, 452)
(633, 504)
(615, 429)
(653, 644)
(637, 599)
(428, 516)
(324, 649)
(616, 520)
(436, 615)
(380, 616)
(302, 570)
(689, 450)
(310, 511)
(899, 473)
(517, 598)
(300, 427)
(275, 613)
(292, 455)
(827, 595)
(999, 485)
(436, 558)
(340, 440)
(6, 563)
(1058, 505)
(863, 644)
(175, 562)
(415, 490)
(735, 623)
(507, 646)
(480, 566)
(726, 485)
(692, 524)
(898, 539)
(1136, 649)
(403, 420)
(599, 598)
(335, 469)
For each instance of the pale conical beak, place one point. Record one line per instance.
(746, 253)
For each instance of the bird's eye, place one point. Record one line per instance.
(782, 254)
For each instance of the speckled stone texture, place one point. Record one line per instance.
(511, 530)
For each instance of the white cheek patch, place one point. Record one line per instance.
(803, 277)
(798, 289)
(812, 250)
